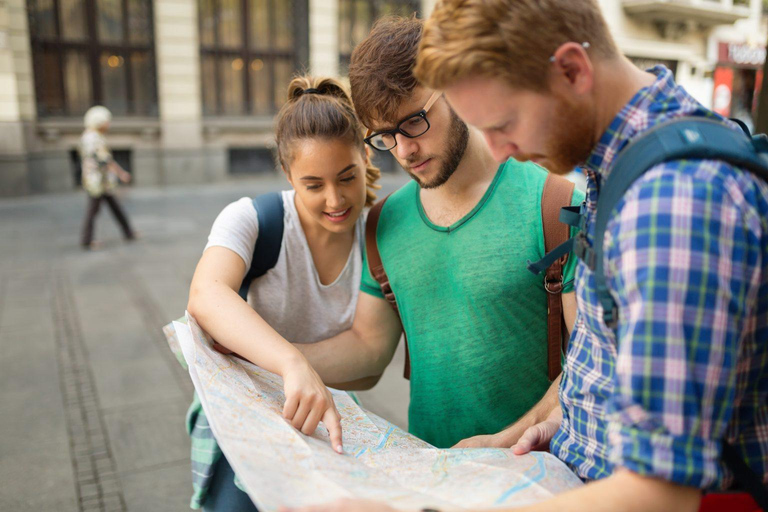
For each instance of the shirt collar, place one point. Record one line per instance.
(657, 102)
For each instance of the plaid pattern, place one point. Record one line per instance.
(686, 258)
(205, 452)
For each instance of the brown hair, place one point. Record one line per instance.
(381, 68)
(326, 112)
(507, 39)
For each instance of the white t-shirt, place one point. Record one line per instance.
(290, 296)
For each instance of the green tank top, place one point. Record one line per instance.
(475, 317)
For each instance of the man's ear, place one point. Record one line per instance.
(572, 68)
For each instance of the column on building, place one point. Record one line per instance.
(182, 157)
(16, 98)
(323, 37)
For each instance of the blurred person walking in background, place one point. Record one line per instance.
(100, 174)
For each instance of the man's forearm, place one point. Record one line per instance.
(624, 491)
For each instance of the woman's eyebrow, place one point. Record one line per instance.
(350, 166)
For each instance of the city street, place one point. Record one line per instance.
(93, 402)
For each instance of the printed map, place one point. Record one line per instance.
(280, 466)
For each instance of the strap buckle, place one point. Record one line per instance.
(611, 317)
(554, 287)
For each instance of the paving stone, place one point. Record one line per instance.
(91, 396)
(148, 436)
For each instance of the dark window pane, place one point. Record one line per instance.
(207, 22)
(77, 82)
(394, 7)
(231, 75)
(109, 16)
(43, 19)
(114, 83)
(362, 22)
(143, 81)
(50, 93)
(72, 18)
(260, 87)
(259, 24)
(251, 160)
(345, 27)
(283, 74)
(283, 35)
(208, 70)
(139, 21)
(230, 28)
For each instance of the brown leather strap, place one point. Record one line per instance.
(557, 193)
(377, 270)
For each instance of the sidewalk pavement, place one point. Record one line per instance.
(93, 402)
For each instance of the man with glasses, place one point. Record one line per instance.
(454, 243)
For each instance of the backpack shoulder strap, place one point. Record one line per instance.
(557, 194)
(694, 138)
(270, 211)
(377, 269)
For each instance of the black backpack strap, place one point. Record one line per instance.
(270, 211)
(747, 479)
(686, 138)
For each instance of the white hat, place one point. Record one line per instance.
(97, 116)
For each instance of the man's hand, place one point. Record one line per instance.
(308, 401)
(538, 436)
(345, 505)
(484, 441)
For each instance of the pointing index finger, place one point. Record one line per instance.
(332, 422)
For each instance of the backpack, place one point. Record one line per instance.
(691, 138)
(557, 192)
(270, 211)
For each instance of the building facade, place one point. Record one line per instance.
(194, 84)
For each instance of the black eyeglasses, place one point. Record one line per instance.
(412, 126)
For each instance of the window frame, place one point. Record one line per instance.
(298, 55)
(92, 48)
(375, 11)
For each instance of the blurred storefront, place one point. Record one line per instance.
(194, 84)
(738, 78)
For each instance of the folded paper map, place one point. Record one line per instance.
(280, 466)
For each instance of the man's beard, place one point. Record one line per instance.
(458, 138)
(570, 140)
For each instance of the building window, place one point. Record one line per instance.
(88, 52)
(249, 50)
(356, 18)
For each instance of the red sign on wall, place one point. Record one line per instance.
(721, 101)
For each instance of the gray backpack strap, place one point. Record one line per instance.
(685, 138)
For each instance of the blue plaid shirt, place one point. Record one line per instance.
(686, 259)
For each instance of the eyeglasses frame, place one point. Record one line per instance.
(422, 113)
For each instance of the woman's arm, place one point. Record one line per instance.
(222, 313)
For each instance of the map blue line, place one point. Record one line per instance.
(385, 438)
(530, 480)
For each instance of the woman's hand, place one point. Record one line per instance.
(308, 401)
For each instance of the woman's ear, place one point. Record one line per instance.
(287, 174)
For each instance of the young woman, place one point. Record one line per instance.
(310, 294)
(100, 174)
